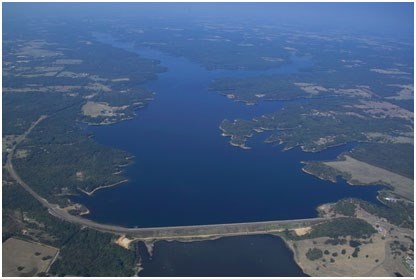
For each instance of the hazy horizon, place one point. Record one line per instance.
(381, 19)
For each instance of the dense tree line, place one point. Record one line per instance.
(397, 212)
(345, 207)
(341, 227)
(92, 253)
(397, 158)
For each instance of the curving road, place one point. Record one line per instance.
(180, 232)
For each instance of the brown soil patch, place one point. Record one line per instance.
(302, 231)
(124, 242)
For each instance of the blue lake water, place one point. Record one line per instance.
(186, 173)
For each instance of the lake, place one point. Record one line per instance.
(186, 173)
(256, 255)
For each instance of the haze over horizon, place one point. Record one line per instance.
(381, 19)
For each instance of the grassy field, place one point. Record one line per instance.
(26, 258)
(368, 260)
(380, 254)
(363, 173)
(94, 109)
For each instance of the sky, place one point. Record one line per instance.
(385, 19)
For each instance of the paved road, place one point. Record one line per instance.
(159, 232)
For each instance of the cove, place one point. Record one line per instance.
(185, 173)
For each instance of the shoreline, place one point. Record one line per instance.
(102, 187)
(385, 186)
(242, 146)
(317, 176)
(150, 245)
(290, 245)
(106, 123)
(86, 212)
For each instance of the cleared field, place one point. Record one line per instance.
(23, 258)
(384, 109)
(93, 109)
(368, 262)
(363, 173)
(375, 258)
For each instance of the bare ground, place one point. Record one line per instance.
(124, 241)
